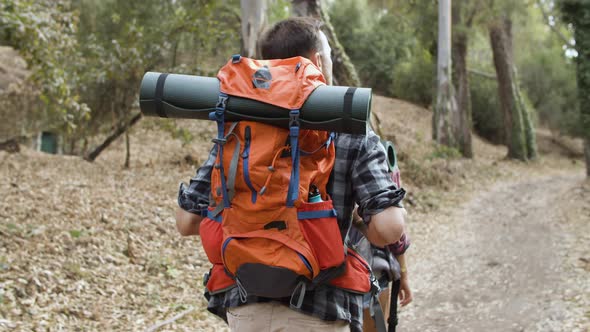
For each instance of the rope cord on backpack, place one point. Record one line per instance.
(271, 169)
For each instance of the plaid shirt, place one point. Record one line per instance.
(360, 176)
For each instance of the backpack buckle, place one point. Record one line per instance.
(294, 118)
(221, 102)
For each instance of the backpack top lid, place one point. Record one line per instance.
(285, 83)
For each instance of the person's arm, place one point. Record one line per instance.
(405, 293)
(187, 223)
(378, 197)
(193, 198)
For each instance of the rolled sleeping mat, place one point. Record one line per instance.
(391, 155)
(194, 97)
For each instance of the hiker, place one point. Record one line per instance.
(359, 175)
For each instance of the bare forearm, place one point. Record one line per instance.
(401, 259)
(187, 223)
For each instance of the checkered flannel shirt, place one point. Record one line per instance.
(360, 176)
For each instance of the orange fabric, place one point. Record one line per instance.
(289, 88)
(218, 279)
(323, 235)
(211, 238)
(357, 276)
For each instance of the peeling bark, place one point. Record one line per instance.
(445, 126)
(253, 22)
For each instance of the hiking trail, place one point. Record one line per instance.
(497, 262)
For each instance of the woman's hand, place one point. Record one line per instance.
(405, 294)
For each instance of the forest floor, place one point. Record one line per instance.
(498, 245)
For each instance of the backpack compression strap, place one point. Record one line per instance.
(219, 117)
(293, 192)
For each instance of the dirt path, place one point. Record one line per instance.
(500, 261)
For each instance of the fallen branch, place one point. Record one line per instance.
(118, 132)
(171, 320)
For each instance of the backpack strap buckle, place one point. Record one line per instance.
(294, 118)
(221, 103)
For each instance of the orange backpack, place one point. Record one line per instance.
(260, 232)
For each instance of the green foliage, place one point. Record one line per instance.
(89, 56)
(414, 78)
(445, 152)
(486, 113)
(76, 233)
(577, 12)
(278, 10)
(44, 33)
(384, 43)
(548, 77)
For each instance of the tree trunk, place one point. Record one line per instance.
(253, 21)
(118, 132)
(445, 125)
(514, 132)
(459, 59)
(344, 72)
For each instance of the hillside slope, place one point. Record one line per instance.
(93, 246)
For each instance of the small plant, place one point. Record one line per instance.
(75, 233)
(445, 152)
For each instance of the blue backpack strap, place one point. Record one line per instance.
(293, 192)
(219, 117)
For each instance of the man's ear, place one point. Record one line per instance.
(317, 60)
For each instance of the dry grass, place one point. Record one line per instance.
(92, 246)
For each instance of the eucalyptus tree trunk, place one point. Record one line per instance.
(461, 76)
(253, 22)
(446, 119)
(518, 129)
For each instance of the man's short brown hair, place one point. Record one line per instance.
(298, 36)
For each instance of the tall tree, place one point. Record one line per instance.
(577, 12)
(446, 119)
(519, 131)
(463, 16)
(253, 16)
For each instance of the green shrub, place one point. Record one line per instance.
(414, 78)
(386, 50)
(486, 112)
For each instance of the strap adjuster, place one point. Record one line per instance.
(294, 118)
(221, 141)
(221, 103)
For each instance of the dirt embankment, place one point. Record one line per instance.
(93, 247)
